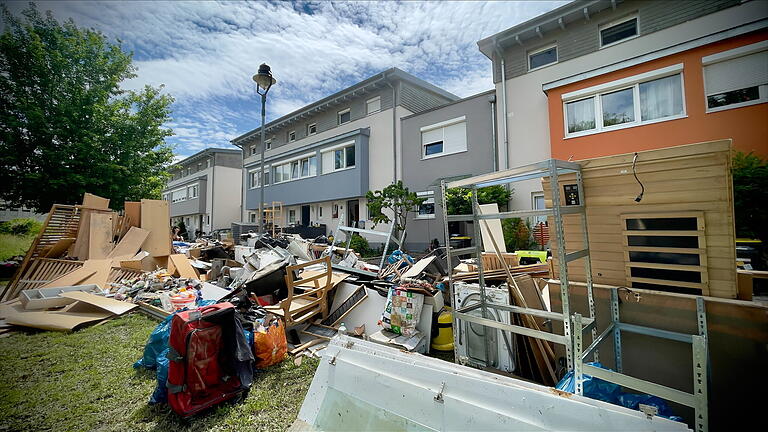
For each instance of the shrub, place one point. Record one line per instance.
(750, 188)
(21, 227)
(361, 246)
(517, 234)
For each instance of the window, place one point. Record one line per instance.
(617, 31)
(192, 191)
(291, 216)
(189, 171)
(344, 116)
(339, 157)
(373, 105)
(253, 179)
(736, 78)
(252, 217)
(628, 102)
(166, 197)
(292, 136)
(444, 138)
(311, 128)
(427, 208)
(537, 199)
(666, 251)
(207, 163)
(542, 57)
(294, 170)
(320, 211)
(179, 195)
(253, 150)
(200, 166)
(269, 144)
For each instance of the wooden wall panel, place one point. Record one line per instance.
(694, 177)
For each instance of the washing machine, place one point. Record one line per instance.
(470, 347)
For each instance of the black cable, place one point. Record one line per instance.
(634, 173)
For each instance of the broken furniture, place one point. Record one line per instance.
(302, 302)
(46, 298)
(349, 232)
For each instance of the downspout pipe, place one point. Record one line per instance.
(505, 147)
(394, 130)
(494, 132)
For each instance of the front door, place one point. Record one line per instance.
(353, 212)
(305, 215)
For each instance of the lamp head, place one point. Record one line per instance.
(263, 77)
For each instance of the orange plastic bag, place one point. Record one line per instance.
(269, 343)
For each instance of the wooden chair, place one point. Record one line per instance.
(304, 302)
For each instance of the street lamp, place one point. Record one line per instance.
(264, 82)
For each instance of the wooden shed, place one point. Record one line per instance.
(680, 235)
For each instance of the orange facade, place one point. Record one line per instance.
(746, 126)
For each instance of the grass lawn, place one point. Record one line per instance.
(84, 381)
(12, 245)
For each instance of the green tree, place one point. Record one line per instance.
(399, 201)
(750, 189)
(459, 200)
(66, 125)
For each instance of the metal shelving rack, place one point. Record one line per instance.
(551, 168)
(574, 324)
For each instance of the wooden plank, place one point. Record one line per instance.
(80, 249)
(155, 218)
(92, 201)
(182, 266)
(130, 244)
(133, 213)
(100, 236)
(59, 247)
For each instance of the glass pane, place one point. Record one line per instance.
(581, 115)
(618, 107)
(661, 98)
(313, 165)
(542, 58)
(664, 258)
(619, 32)
(672, 275)
(338, 159)
(427, 208)
(266, 178)
(350, 156)
(295, 169)
(664, 241)
(305, 167)
(733, 97)
(674, 224)
(343, 118)
(433, 148)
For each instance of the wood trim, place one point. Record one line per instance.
(694, 285)
(660, 233)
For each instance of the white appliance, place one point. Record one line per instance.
(471, 349)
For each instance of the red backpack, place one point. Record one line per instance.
(203, 368)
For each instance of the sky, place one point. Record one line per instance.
(205, 52)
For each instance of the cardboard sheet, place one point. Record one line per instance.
(155, 218)
(89, 308)
(115, 306)
(182, 266)
(133, 213)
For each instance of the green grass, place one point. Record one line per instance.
(12, 245)
(85, 381)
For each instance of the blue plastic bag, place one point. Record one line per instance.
(595, 388)
(158, 341)
(160, 395)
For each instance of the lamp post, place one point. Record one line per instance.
(264, 82)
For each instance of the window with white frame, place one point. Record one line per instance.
(166, 197)
(542, 57)
(292, 136)
(252, 150)
(295, 169)
(311, 128)
(444, 138)
(427, 208)
(344, 116)
(192, 191)
(647, 98)
(373, 105)
(252, 217)
(619, 30)
(291, 216)
(179, 195)
(338, 158)
(207, 163)
(737, 77)
(254, 178)
(269, 144)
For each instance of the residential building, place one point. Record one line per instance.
(204, 190)
(322, 159)
(629, 75)
(8, 212)
(453, 141)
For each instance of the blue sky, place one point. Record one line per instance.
(205, 52)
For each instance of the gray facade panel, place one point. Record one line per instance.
(421, 175)
(348, 183)
(191, 206)
(229, 160)
(581, 37)
(417, 99)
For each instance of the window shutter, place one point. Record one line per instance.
(431, 136)
(327, 162)
(455, 138)
(742, 72)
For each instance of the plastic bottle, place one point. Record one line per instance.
(342, 329)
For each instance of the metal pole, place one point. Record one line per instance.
(261, 170)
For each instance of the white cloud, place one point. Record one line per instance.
(205, 52)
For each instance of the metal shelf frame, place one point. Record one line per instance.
(551, 168)
(574, 325)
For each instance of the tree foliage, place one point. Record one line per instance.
(459, 200)
(750, 188)
(66, 126)
(398, 200)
